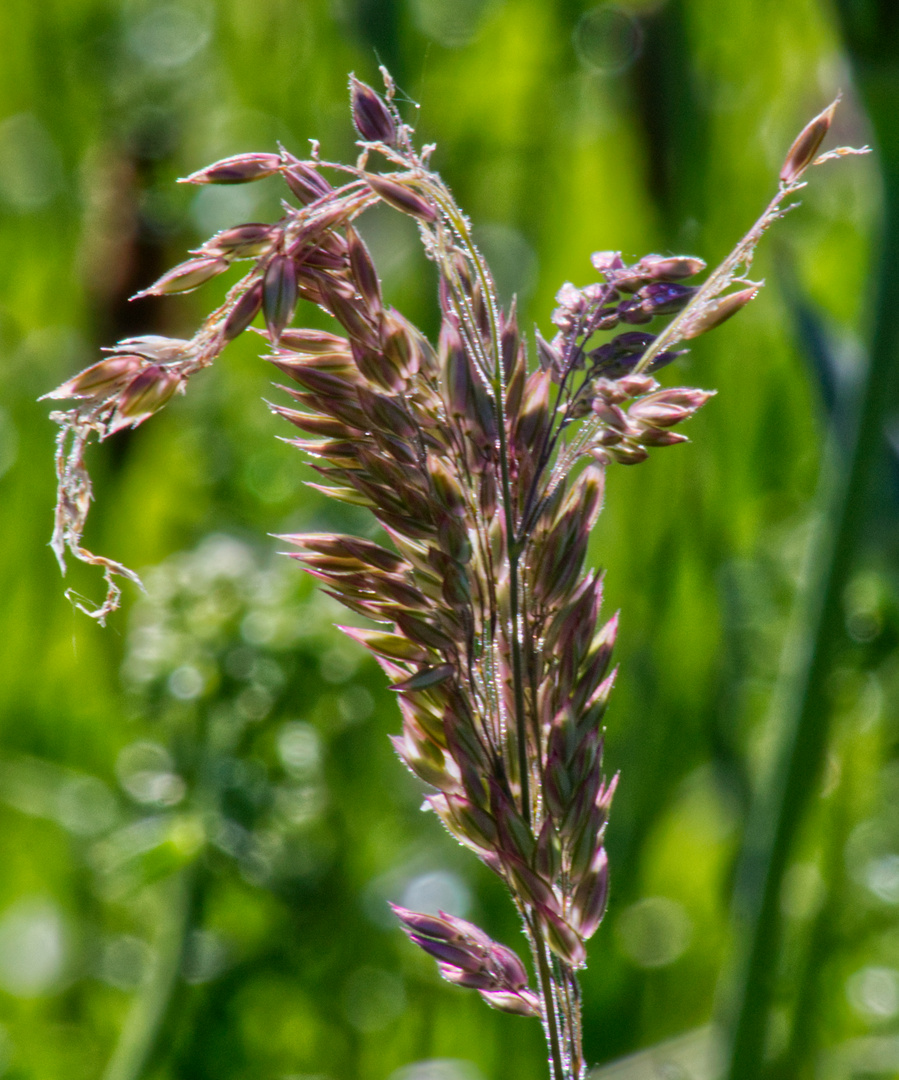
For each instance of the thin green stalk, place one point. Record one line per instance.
(549, 1004)
(571, 1000)
(143, 1026)
(513, 545)
(514, 548)
(518, 682)
(778, 811)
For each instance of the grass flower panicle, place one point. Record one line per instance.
(486, 478)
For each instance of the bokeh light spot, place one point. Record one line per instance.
(30, 165)
(451, 23)
(654, 932)
(206, 958)
(33, 948)
(124, 962)
(339, 664)
(355, 704)
(85, 806)
(435, 892)
(186, 683)
(373, 998)
(874, 992)
(145, 771)
(299, 748)
(803, 891)
(168, 35)
(607, 40)
(882, 878)
(216, 208)
(438, 1069)
(255, 703)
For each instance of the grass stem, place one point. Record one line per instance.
(803, 704)
(549, 1003)
(144, 1023)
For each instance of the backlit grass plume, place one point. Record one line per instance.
(486, 476)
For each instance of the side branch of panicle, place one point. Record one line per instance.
(467, 957)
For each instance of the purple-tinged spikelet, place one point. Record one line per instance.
(371, 116)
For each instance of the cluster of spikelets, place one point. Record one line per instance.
(487, 480)
(467, 957)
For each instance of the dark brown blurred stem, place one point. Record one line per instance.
(140, 1035)
(803, 705)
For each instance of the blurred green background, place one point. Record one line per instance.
(201, 818)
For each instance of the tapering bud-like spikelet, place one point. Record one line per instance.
(244, 312)
(400, 197)
(99, 380)
(802, 153)
(304, 180)
(279, 294)
(186, 277)
(236, 170)
(144, 395)
(241, 242)
(371, 116)
(715, 312)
